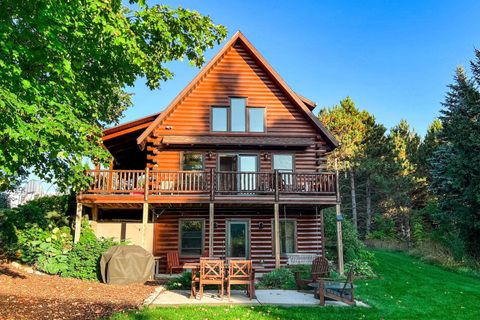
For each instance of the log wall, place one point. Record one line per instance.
(308, 233)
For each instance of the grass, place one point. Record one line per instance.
(406, 289)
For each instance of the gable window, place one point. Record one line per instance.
(283, 162)
(192, 161)
(256, 119)
(220, 119)
(287, 236)
(238, 117)
(191, 237)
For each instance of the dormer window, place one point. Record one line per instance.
(238, 117)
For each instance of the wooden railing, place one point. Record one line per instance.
(156, 182)
(179, 182)
(314, 183)
(230, 182)
(117, 181)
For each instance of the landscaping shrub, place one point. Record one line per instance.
(32, 222)
(84, 258)
(183, 281)
(282, 278)
(54, 256)
(38, 234)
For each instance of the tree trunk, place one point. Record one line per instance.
(369, 205)
(354, 201)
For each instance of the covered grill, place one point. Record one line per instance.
(126, 264)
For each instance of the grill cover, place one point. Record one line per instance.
(126, 264)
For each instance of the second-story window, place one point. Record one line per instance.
(283, 162)
(192, 161)
(238, 117)
(256, 119)
(237, 114)
(220, 119)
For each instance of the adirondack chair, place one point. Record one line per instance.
(337, 290)
(241, 272)
(173, 262)
(319, 270)
(212, 272)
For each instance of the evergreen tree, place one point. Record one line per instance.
(455, 164)
(348, 124)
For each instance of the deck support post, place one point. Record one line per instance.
(276, 221)
(93, 222)
(144, 224)
(211, 226)
(78, 222)
(339, 218)
(95, 212)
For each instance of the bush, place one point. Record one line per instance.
(278, 279)
(354, 250)
(84, 258)
(55, 249)
(184, 281)
(23, 228)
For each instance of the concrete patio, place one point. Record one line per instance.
(166, 298)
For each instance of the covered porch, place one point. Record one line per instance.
(268, 234)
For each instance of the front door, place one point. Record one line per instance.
(237, 239)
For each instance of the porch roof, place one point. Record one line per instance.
(260, 141)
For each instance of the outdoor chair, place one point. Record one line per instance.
(173, 262)
(337, 290)
(241, 272)
(212, 272)
(319, 270)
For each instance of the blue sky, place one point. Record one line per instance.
(394, 58)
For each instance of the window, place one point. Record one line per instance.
(283, 162)
(191, 237)
(192, 161)
(287, 236)
(219, 119)
(237, 117)
(237, 114)
(256, 119)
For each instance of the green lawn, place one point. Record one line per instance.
(407, 289)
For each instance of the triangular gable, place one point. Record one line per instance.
(296, 99)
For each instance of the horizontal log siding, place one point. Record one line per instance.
(309, 239)
(238, 74)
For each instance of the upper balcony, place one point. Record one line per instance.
(210, 186)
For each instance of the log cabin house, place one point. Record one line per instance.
(235, 166)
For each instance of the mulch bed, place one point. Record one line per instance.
(30, 296)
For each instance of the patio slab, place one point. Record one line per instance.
(182, 297)
(264, 297)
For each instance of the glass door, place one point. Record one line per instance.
(248, 165)
(237, 239)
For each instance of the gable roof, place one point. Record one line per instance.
(128, 127)
(298, 101)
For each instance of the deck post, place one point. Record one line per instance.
(78, 222)
(93, 222)
(95, 212)
(339, 219)
(276, 214)
(144, 224)
(211, 226)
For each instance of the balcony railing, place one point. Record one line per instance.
(211, 182)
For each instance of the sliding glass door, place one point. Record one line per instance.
(247, 165)
(237, 172)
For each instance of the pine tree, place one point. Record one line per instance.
(456, 163)
(348, 124)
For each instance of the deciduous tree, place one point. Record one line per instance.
(64, 66)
